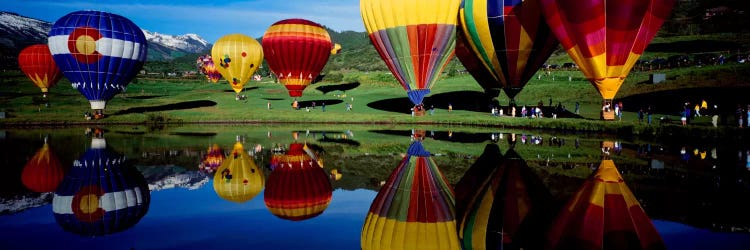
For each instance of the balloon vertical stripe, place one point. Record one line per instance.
(415, 39)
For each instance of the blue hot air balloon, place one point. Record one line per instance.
(99, 52)
(100, 195)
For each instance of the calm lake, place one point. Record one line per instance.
(357, 187)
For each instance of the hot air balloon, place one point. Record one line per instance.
(414, 209)
(206, 66)
(603, 214)
(298, 188)
(605, 38)
(100, 195)
(99, 52)
(415, 38)
(37, 63)
(296, 50)
(503, 43)
(44, 172)
(501, 204)
(238, 179)
(238, 56)
(212, 159)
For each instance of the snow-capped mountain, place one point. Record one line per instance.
(17, 32)
(23, 202)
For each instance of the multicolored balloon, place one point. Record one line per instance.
(238, 56)
(414, 209)
(605, 37)
(298, 187)
(296, 50)
(603, 214)
(37, 64)
(212, 160)
(415, 38)
(43, 172)
(100, 195)
(503, 43)
(238, 179)
(99, 52)
(206, 66)
(501, 204)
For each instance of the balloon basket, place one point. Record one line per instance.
(418, 110)
(608, 115)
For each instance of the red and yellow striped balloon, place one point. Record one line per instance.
(37, 63)
(603, 214)
(296, 50)
(606, 37)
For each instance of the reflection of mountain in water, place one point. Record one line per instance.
(23, 202)
(190, 180)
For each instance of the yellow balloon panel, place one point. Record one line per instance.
(237, 57)
(382, 14)
(383, 233)
(238, 179)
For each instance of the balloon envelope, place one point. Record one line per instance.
(100, 195)
(99, 52)
(213, 159)
(207, 67)
(415, 38)
(37, 63)
(238, 179)
(603, 214)
(605, 38)
(414, 209)
(502, 205)
(237, 57)
(44, 172)
(503, 43)
(296, 50)
(298, 188)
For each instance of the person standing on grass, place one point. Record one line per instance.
(323, 106)
(640, 115)
(648, 115)
(578, 106)
(697, 110)
(747, 116)
(268, 105)
(450, 107)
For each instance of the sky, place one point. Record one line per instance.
(208, 19)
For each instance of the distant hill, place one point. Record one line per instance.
(18, 32)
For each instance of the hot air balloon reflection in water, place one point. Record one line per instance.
(37, 64)
(605, 38)
(414, 209)
(603, 214)
(501, 204)
(101, 194)
(298, 188)
(415, 38)
(238, 179)
(503, 43)
(296, 50)
(99, 52)
(212, 160)
(206, 66)
(43, 172)
(238, 57)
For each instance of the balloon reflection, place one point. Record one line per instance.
(603, 214)
(212, 159)
(238, 179)
(500, 203)
(100, 195)
(298, 188)
(43, 172)
(414, 209)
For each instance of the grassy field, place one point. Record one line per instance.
(376, 98)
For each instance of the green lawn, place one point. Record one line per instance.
(376, 99)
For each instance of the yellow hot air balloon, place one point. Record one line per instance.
(238, 179)
(237, 57)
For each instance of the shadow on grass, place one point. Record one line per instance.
(174, 106)
(695, 46)
(272, 99)
(339, 87)
(339, 141)
(144, 97)
(318, 103)
(460, 100)
(671, 102)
